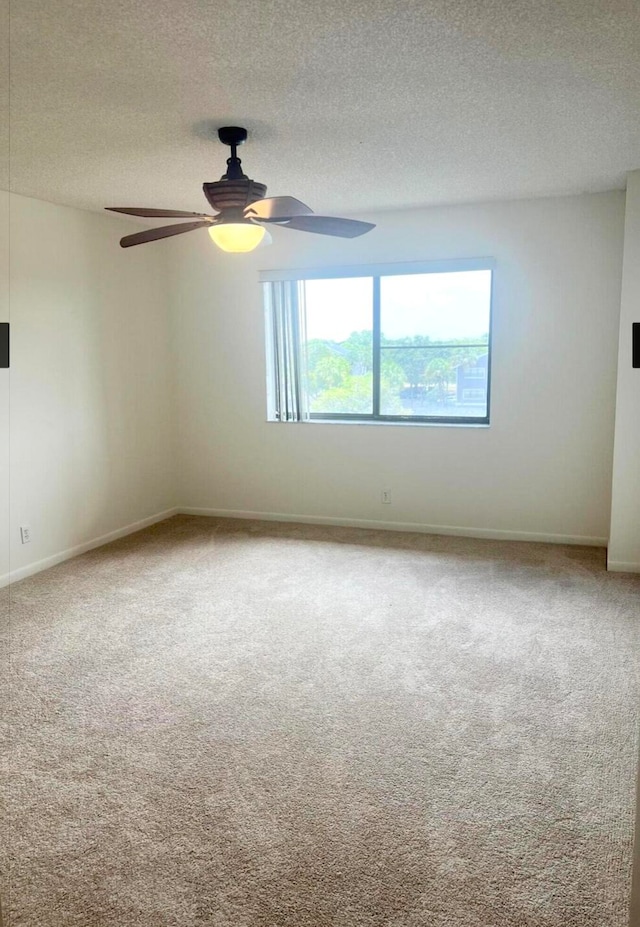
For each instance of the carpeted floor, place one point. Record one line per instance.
(244, 724)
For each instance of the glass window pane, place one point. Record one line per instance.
(339, 338)
(434, 344)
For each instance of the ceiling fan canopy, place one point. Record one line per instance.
(242, 210)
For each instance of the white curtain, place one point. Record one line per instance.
(286, 350)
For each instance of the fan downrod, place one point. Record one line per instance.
(233, 136)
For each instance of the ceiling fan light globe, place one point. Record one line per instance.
(237, 237)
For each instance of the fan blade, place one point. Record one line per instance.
(330, 225)
(165, 231)
(277, 209)
(155, 213)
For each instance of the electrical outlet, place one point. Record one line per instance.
(25, 533)
(386, 497)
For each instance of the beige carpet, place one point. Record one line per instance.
(257, 725)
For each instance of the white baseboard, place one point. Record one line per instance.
(47, 562)
(622, 566)
(495, 534)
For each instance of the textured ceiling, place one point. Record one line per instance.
(351, 106)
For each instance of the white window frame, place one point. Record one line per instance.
(376, 271)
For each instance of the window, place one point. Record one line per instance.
(398, 343)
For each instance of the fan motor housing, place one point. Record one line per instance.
(229, 194)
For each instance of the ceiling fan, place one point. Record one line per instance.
(242, 210)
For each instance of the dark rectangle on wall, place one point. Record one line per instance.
(4, 344)
(635, 350)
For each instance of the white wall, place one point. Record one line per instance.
(92, 381)
(624, 546)
(542, 468)
(92, 415)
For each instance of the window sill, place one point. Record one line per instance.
(384, 424)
